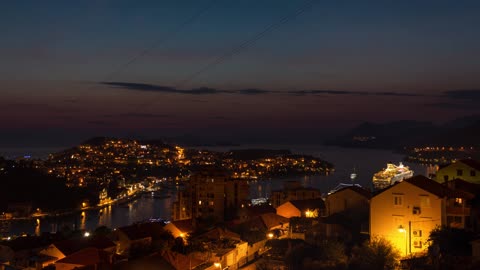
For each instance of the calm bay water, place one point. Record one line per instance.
(365, 161)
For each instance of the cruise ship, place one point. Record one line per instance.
(391, 175)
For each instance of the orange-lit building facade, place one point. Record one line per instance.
(407, 212)
(210, 192)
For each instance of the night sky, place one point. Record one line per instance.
(246, 71)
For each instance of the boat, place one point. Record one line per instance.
(353, 175)
(391, 175)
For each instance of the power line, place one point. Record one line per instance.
(236, 50)
(172, 34)
(160, 41)
(246, 43)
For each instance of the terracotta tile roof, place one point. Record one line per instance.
(220, 233)
(436, 188)
(180, 261)
(154, 262)
(471, 163)
(459, 184)
(365, 193)
(271, 220)
(87, 257)
(258, 210)
(185, 225)
(70, 246)
(303, 205)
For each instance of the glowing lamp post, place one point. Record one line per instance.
(402, 230)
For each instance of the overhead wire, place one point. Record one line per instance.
(236, 50)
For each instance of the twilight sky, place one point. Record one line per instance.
(231, 70)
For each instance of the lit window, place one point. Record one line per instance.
(458, 201)
(211, 202)
(199, 202)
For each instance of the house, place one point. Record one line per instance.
(61, 249)
(180, 228)
(89, 258)
(217, 234)
(310, 208)
(293, 190)
(474, 204)
(347, 212)
(179, 261)
(20, 252)
(249, 211)
(132, 239)
(465, 169)
(152, 262)
(407, 212)
(231, 258)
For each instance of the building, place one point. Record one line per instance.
(180, 228)
(210, 193)
(131, 239)
(61, 249)
(407, 212)
(88, 258)
(311, 208)
(293, 190)
(465, 169)
(347, 212)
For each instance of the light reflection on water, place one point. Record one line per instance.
(365, 161)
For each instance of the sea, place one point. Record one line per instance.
(364, 162)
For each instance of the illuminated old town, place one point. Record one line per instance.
(249, 135)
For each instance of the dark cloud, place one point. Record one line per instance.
(138, 115)
(221, 118)
(455, 106)
(41, 107)
(464, 99)
(101, 123)
(254, 91)
(163, 89)
(249, 91)
(468, 94)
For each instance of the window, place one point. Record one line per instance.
(459, 172)
(424, 201)
(458, 202)
(398, 200)
(473, 173)
(445, 178)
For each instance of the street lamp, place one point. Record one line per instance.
(402, 230)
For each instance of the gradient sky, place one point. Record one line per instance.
(64, 74)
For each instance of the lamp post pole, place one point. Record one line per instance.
(402, 230)
(409, 237)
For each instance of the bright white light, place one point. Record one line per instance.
(87, 234)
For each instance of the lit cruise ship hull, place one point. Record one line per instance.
(391, 175)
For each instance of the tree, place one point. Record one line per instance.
(449, 244)
(378, 253)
